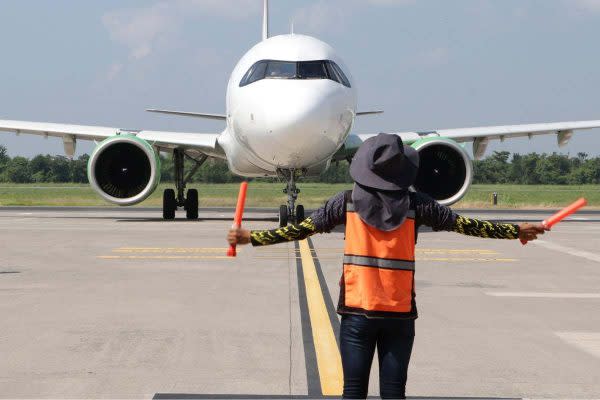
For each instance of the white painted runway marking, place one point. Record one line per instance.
(586, 341)
(549, 295)
(569, 250)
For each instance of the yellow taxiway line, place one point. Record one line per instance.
(207, 257)
(329, 361)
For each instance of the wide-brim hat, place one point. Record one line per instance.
(383, 162)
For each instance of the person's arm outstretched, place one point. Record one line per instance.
(288, 233)
(487, 229)
(322, 220)
(439, 217)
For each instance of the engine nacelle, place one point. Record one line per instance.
(445, 169)
(124, 169)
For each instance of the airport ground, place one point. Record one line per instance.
(116, 303)
(268, 194)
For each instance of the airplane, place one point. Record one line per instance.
(290, 108)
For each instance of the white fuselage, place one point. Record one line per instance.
(282, 122)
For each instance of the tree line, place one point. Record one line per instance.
(538, 169)
(499, 167)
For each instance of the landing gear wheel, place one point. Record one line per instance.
(191, 204)
(283, 216)
(169, 204)
(299, 213)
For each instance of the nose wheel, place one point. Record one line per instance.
(291, 212)
(285, 217)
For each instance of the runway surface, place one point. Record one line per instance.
(118, 303)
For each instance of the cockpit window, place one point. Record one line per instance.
(339, 74)
(274, 69)
(312, 70)
(256, 72)
(281, 69)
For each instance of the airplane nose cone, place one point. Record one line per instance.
(289, 117)
(301, 125)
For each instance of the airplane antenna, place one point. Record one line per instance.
(292, 27)
(265, 30)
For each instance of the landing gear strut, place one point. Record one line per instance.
(171, 201)
(291, 212)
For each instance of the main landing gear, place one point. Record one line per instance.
(291, 212)
(171, 201)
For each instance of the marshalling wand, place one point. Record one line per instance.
(562, 214)
(239, 212)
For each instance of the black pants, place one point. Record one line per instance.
(394, 339)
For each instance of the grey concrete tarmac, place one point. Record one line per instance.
(117, 303)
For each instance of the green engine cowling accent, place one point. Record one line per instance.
(154, 160)
(438, 139)
(446, 169)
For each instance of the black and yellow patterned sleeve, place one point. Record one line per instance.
(288, 233)
(485, 229)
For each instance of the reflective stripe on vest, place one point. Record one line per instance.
(378, 266)
(379, 262)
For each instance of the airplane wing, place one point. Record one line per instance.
(359, 113)
(220, 117)
(480, 136)
(205, 143)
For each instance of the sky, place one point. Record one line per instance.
(428, 64)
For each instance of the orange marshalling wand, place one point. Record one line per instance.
(562, 214)
(239, 212)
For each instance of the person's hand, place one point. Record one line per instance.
(238, 236)
(529, 232)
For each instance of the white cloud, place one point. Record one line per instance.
(585, 5)
(321, 16)
(142, 29)
(138, 29)
(329, 15)
(157, 27)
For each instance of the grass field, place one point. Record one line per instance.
(262, 194)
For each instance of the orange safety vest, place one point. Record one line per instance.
(379, 268)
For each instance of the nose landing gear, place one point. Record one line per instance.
(189, 203)
(291, 212)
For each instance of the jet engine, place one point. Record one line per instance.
(124, 169)
(445, 170)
